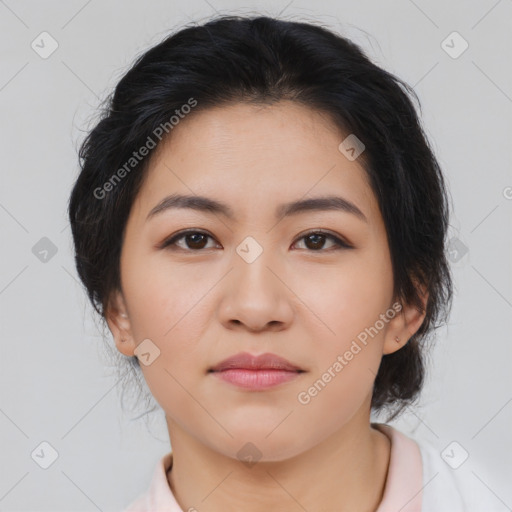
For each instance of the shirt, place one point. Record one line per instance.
(418, 480)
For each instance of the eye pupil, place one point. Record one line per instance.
(318, 240)
(196, 239)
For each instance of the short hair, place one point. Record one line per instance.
(262, 60)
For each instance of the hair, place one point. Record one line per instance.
(263, 60)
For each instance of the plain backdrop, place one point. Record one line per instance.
(55, 385)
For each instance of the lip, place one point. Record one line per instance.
(246, 361)
(256, 372)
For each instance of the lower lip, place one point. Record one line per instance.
(256, 379)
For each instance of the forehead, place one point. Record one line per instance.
(249, 156)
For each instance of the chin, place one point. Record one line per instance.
(257, 445)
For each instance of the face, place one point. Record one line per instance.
(314, 286)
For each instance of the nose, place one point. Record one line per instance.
(256, 297)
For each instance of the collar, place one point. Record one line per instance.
(404, 483)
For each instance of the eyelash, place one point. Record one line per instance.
(168, 243)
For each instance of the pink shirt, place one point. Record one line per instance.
(402, 492)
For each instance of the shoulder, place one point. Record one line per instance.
(447, 477)
(449, 483)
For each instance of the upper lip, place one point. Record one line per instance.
(244, 360)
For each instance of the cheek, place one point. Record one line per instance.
(175, 325)
(162, 297)
(169, 306)
(345, 360)
(348, 298)
(348, 302)
(331, 401)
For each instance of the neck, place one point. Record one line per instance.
(348, 469)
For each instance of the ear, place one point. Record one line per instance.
(119, 324)
(405, 324)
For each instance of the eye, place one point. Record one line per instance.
(316, 241)
(194, 240)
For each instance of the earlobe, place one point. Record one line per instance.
(405, 324)
(119, 324)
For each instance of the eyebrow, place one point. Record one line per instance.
(209, 205)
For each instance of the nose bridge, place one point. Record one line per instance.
(253, 261)
(255, 295)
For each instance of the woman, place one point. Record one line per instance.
(261, 221)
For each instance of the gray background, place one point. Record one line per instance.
(55, 385)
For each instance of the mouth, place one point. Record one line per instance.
(256, 372)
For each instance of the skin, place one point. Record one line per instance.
(306, 302)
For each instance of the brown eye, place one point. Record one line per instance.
(196, 240)
(192, 240)
(315, 241)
